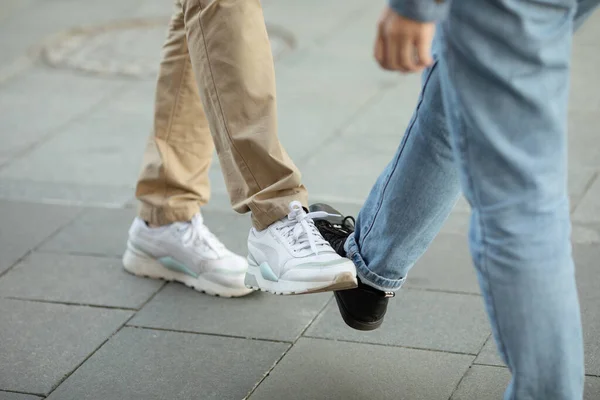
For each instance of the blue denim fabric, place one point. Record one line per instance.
(491, 120)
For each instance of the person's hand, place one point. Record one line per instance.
(403, 44)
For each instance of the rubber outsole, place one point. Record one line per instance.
(139, 265)
(343, 281)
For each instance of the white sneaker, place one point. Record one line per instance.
(185, 252)
(291, 257)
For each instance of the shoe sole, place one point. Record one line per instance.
(353, 322)
(254, 280)
(142, 265)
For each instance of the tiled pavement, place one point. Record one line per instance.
(73, 325)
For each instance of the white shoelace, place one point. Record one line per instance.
(198, 234)
(300, 230)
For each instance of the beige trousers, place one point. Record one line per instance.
(216, 88)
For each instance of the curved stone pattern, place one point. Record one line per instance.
(129, 48)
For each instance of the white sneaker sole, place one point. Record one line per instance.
(254, 280)
(140, 264)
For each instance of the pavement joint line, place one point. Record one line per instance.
(301, 335)
(587, 188)
(67, 375)
(62, 127)
(393, 345)
(222, 335)
(69, 303)
(79, 254)
(336, 133)
(20, 392)
(347, 19)
(457, 292)
(36, 247)
(462, 378)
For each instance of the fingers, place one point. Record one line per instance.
(403, 44)
(423, 52)
(380, 49)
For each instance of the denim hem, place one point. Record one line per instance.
(363, 271)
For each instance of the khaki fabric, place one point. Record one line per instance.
(216, 88)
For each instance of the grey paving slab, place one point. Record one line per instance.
(323, 369)
(102, 148)
(428, 320)
(446, 265)
(586, 234)
(489, 383)
(483, 383)
(144, 364)
(104, 231)
(588, 210)
(16, 396)
(52, 106)
(326, 18)
(41, 342)
(96, 231)
(489, 355)
(54, 17)
(68, 194)
(77, 279)
(258, 315)
(588, 282)
(389, 115)
(592, 388)
(26, 225)
(346, 177)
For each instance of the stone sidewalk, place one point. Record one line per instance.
(76, 91)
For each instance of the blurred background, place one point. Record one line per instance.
(77, 81)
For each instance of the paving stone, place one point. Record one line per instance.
(446, 265)
(96, 231)
(489, 355)
(145, 364)
(106, 147)
(588, 282)
(483, 383)
(311, 370)
(345, 177)
(324, 18)
(258, 315)
(490, 383)
(592, 388)
(427, 320)
(41, 343)
(77, 279)
(29, 225)
(104, 231)
(16, 396)
(51, 112)
(588, 210)
(66, 194)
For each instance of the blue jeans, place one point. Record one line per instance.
(491, 119)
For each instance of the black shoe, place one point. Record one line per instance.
(362, 308)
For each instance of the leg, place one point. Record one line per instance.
(174, 184)
(174, 180)
(505, 76)
(411, 198)
(232, 60)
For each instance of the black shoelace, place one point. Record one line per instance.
(336, 234)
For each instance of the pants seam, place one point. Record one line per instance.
(169, 128)
(397, 159)
(462, 139)
(221, 114)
